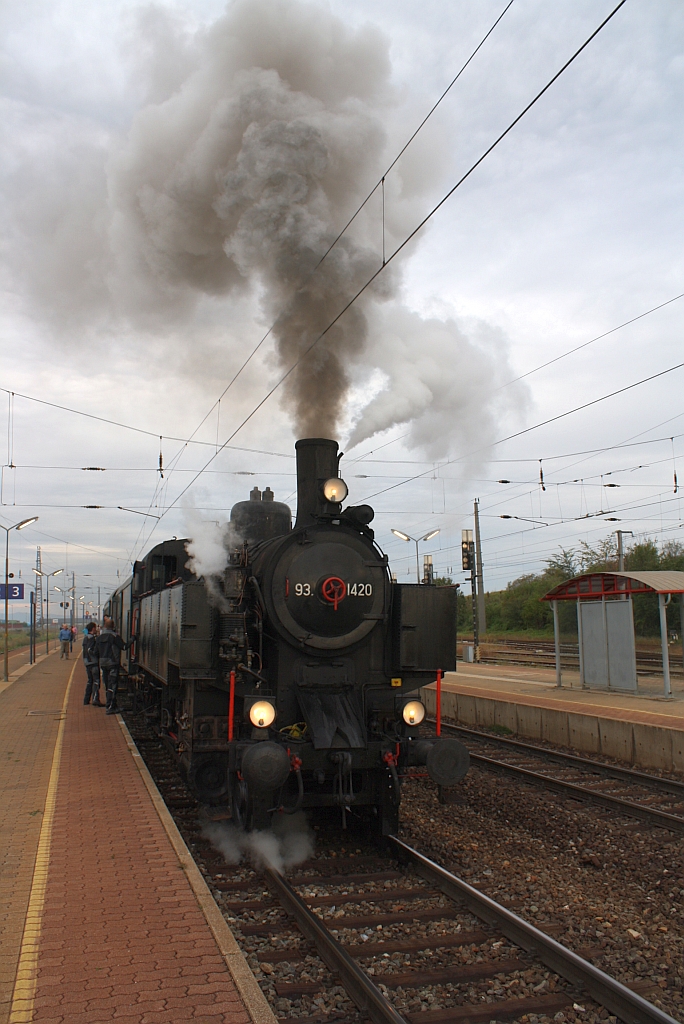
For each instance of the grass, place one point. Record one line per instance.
(20, 638)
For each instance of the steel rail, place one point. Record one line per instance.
(614, 803)
(672, 786)
(616, 997)
(363, 992)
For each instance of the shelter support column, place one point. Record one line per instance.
(579, 645)
(667, 690)
(556, 642)
(681, 624)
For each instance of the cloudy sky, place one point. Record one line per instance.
(172, 173)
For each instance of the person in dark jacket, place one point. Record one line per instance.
(92, 665)
(109, 648)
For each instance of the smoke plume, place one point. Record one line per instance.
(288, 843)
(254, 142)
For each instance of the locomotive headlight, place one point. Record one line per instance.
(262, 714)
(335, 489)
(413, 712)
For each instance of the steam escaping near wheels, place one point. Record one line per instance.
(289, 842)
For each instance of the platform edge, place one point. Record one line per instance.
(255, 1001)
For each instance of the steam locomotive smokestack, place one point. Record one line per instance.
(317, 461)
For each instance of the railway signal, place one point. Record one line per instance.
(468, 562)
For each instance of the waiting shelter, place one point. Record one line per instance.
(605, 624)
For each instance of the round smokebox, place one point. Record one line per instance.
(265, 767)
(447, 762)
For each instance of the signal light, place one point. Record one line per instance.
(467, 550)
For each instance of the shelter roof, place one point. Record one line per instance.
(592, 585)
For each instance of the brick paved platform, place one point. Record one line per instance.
(26, 747)
(121, 933)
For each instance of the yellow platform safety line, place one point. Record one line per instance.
(24, 994)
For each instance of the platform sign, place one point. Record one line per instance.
(15, 592)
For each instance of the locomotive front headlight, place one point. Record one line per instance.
(262, 714)
(413, 712)
(335, 489)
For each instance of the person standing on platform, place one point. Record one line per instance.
(109, 648)
(65, 641)
(92, 665)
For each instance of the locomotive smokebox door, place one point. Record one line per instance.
(423, 628)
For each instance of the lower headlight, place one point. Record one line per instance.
(262, 714)
(413, 712)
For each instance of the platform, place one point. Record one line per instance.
(643, 730)
(104, 914)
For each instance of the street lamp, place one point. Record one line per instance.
(405, 536)
(47, 576)
(17, 526)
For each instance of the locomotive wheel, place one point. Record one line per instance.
(208, 778)
(240, 802)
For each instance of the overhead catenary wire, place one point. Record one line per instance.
(381, 181)
(585, 344)
(536, 426)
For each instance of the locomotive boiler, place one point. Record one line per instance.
(290, 680)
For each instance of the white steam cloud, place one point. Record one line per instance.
(208, 547)
(257, 140)
(288, 843)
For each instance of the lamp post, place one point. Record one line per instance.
(405, 536)
(67, 591)
(17, 526)
(47, 576)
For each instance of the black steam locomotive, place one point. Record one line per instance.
(290, 681)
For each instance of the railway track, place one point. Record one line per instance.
(650, 798)
(541, 653)
(317, 933)
(386, 934)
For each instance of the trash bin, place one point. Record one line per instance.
(469, 653)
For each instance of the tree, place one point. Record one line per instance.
(519, 608)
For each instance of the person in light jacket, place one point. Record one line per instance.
(65, 641)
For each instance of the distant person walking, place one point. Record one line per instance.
(109, 648)
(92, 665)
(65, 641)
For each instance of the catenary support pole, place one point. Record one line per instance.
(476, 624)
(662, 607)
(438, 715)
(6, 604)
(481, 617)
(32, 627)
(556, 643)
